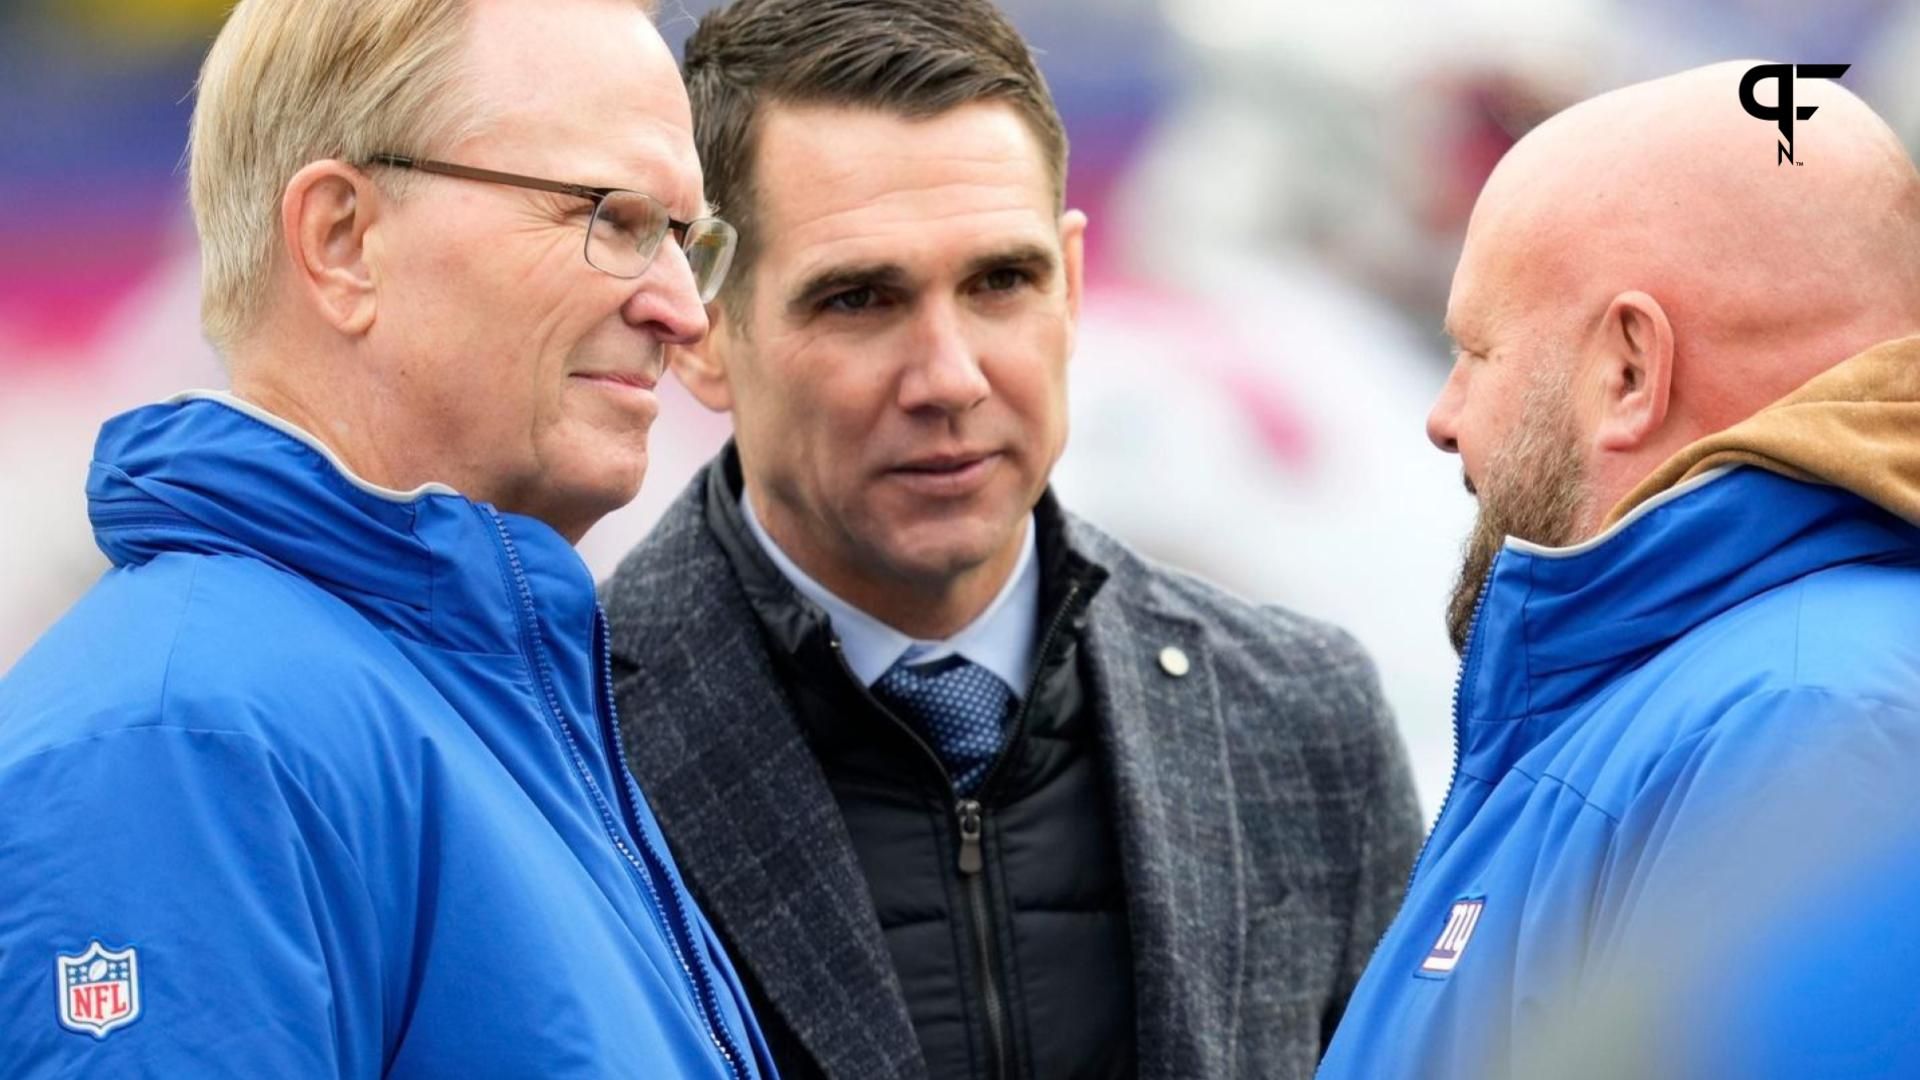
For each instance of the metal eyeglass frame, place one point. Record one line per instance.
(597, 195)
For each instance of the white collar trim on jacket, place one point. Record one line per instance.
(1527, 547)
(292, 430)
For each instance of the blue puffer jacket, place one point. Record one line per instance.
(1683, 749)
(317, 782)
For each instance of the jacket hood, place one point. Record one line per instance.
(1855, 426)
(210, 474)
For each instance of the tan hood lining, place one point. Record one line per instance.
(1854, 426)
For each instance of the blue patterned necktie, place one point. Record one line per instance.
(959, 706)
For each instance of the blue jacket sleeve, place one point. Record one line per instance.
(249, 929)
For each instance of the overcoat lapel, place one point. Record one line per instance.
(727, 771)
(1180, 840)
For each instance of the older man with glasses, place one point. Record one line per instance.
(322, 779)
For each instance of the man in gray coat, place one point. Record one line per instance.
(968, 788)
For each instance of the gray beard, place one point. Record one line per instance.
(1534, 489)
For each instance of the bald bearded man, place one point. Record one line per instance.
(1687, 396)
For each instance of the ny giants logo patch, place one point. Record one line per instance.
(1453, 939)
(99, 989)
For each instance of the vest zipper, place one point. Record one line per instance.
(647, 866)
(972, 822)
(970, 816)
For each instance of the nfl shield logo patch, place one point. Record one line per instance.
(99, 989)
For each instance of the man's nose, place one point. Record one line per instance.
(945, 373)
(665, 301)
(1444, 418)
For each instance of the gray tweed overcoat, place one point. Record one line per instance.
(1266, 814)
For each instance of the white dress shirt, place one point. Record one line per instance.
(1000, 639)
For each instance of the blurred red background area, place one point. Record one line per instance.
(91, 194)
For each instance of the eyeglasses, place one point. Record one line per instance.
(626, 229)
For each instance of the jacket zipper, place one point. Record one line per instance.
(972, 823)
(970, 819)
(629, 793)
(648, 867)
(1467, 656)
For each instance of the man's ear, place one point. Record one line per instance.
(1073, 255)
(326, 213)
(702, 366)
(1074, 266)
(1635, 365)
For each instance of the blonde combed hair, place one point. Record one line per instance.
(290, 82)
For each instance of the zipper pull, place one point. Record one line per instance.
(970, 820)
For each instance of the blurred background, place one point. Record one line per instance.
(1277, 190)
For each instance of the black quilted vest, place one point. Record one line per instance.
(1005, 914)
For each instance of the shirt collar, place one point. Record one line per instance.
(1000, 639)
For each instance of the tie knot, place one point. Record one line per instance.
(959, 706)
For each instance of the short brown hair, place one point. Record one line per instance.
(916, 58)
